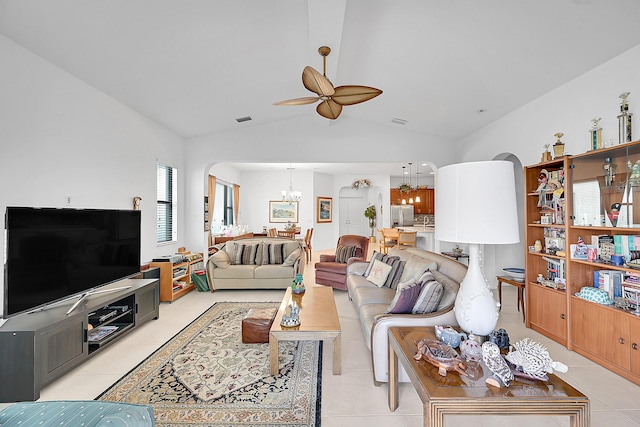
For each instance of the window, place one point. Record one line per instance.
(223, 207)
(167, 200)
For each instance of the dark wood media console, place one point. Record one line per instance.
(37, 348)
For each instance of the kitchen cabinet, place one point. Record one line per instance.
(425, 206)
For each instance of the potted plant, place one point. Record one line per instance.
(405, 188)
(370, 214)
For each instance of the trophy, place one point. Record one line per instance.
(558, 147)
(624, 120)
(596, 134)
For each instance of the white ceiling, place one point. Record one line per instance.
(195, 66)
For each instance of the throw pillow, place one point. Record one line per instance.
(378, 256)
(343, 253)
(292, 258)
(273, 253)
(451, 288)
(397, 267)
(221, 259)
(405, 298)
(430, 296)
(246, 254)
(379, 273)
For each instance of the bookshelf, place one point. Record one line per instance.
(545, 267)
(175, 278)
(601, 222)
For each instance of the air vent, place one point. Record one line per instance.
(243, 119)
(399, 121)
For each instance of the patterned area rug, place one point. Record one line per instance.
(206, 376)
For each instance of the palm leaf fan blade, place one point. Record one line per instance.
(329, 109)
(316, 82)
(299, 101)
(353, 94)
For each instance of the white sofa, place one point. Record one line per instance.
(372, 301)
(262, 269)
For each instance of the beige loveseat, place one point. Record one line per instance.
(372, 302)
(255, 263)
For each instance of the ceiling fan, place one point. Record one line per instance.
(331, 99)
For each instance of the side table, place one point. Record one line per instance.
(519, 285)
(454, 395)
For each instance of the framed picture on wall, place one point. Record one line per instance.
(324, 209)
(283, 211)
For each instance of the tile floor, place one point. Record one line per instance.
(351, 399)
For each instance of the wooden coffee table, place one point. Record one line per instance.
(318, 321)
(455, 394)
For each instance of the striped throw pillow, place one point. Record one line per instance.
(430, 295)
(343, 253)
(273, 253)
(246, 254)
(378, 256)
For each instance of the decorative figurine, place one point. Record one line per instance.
(624, 120)
(596, 134)
(500, 338)
(493, 359)
(543, 177)
(558, 147)
(470, 350)
(614, 214)
(609, 172)
(297, 287)
(291, 316)
(136, 203)
(532, 359)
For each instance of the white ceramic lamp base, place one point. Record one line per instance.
(476, 309)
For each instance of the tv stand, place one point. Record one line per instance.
(94, 292)
(39, 347)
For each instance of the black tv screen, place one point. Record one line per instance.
(52, 254)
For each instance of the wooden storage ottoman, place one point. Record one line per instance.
(256, 325)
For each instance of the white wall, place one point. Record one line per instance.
(568, 109)
(306, 139)
(60, 137)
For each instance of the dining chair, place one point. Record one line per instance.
(407, 238)
(272, 232)
(289, 234)
(385, 242)
(307, 244)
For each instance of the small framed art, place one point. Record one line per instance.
(325, 208)
(283, 211)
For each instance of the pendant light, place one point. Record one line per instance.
(410, 197)
(417, 185)
(404, 201)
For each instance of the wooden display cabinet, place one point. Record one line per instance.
(175, 278)
(604, 334)
(597, 203)
(545, 221)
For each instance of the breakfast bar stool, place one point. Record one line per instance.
(519, 285)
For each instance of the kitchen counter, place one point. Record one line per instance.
(424, 236)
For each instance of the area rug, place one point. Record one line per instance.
(206, 376)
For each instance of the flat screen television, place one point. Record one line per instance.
(52, 254)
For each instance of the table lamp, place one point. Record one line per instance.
(476, 204)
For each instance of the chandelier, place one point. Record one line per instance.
(290, 195)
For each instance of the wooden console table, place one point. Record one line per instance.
(456, 394)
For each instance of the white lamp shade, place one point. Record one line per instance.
(476, 203)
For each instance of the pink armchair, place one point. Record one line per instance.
(334, 274)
